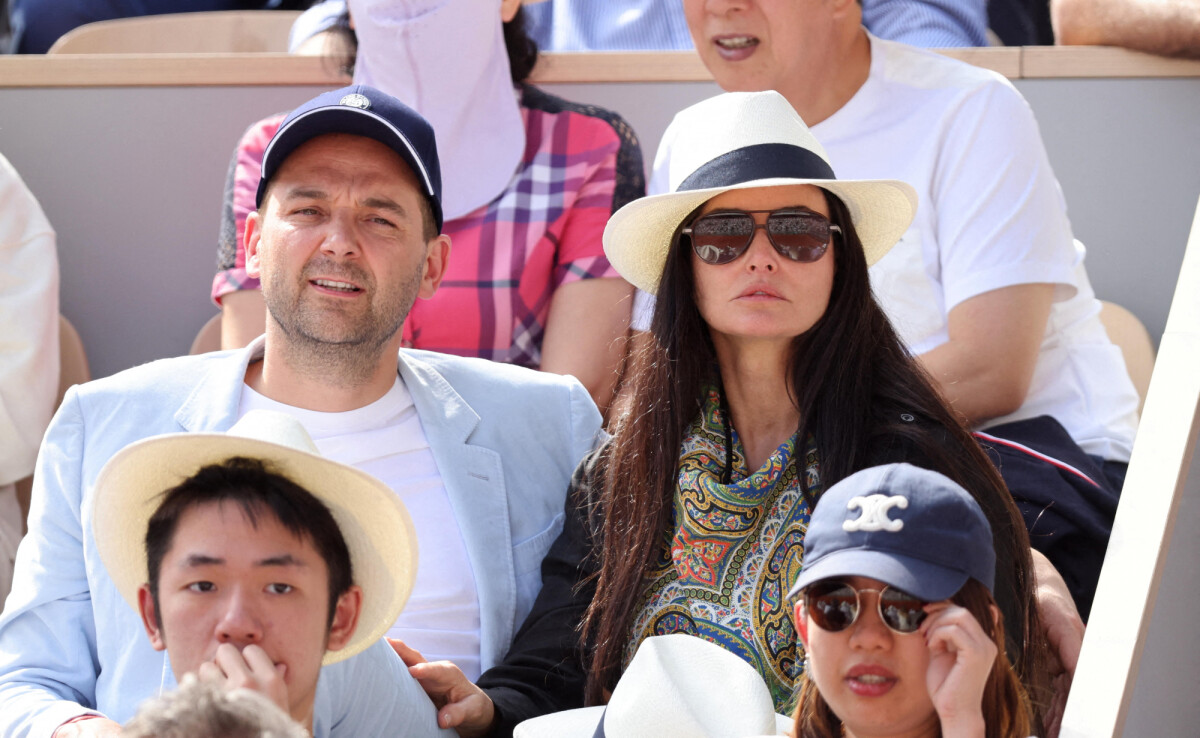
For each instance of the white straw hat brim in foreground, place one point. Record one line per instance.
(374, 523)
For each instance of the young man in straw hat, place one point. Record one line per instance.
(346, 237)
(253, 560)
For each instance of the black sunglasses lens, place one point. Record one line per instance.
(799, 236)
(722, 237)
(901, 611)
(832, 606)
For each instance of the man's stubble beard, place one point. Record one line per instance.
(321, 341)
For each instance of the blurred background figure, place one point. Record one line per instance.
(4, 34)
(37, 24)
(201, 710)
(659, 25)
(1166, 27)
(1020, 22)
(28, 350)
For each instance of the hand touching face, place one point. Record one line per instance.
(961, 656)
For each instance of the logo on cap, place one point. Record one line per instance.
(875, 513)
(356, 101)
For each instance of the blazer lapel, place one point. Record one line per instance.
(213, 403)
(474, 479)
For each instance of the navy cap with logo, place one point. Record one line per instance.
(361, 111)
(911, 528)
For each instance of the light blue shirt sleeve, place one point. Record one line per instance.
(609, 25)
(659, 25)
(48, 632)
(928, 23)
(373, 694)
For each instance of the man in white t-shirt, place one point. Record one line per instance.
(346, 237)
(987, 287)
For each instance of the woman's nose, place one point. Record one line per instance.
(869, 631)
(761, 255)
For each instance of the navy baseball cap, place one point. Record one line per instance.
(362, 111)
(911, 528)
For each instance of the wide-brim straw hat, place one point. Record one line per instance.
(676, 686)
(373, 521)
(741, 140)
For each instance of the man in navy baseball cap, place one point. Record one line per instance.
(363, 111)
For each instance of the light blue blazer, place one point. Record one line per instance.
(506, 441)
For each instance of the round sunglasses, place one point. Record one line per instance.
(723, 236)
(834, 606)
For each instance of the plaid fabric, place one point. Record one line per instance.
(581, 163)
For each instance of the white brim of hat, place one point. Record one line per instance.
(374, 523)
(638, 236)
(584, 721)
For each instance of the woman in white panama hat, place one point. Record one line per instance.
(772, 374)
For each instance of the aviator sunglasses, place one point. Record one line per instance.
(721, 237)
(834, 606)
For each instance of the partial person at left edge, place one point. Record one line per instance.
(29, 358)
(346, 237)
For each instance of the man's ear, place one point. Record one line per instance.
(251, 238)
(437, 257)
(150, 618)
(345, 618)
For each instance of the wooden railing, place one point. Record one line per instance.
(124, 70)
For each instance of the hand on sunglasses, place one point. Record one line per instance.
(961, 657)
(798, 234)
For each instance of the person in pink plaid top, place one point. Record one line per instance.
(527, 282)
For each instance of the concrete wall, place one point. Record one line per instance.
(1164, 694)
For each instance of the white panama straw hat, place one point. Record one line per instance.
(676, 686)
(374, 522)
(740, 140)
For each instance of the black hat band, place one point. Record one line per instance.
(760, 161)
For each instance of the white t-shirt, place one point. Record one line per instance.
(385, 439)
(990, 215)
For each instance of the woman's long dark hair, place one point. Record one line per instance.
(522, 49)
(852, 381)
(1006, 708)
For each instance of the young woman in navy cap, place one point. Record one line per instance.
(895, 608)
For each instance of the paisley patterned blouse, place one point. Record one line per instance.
(734, 551)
